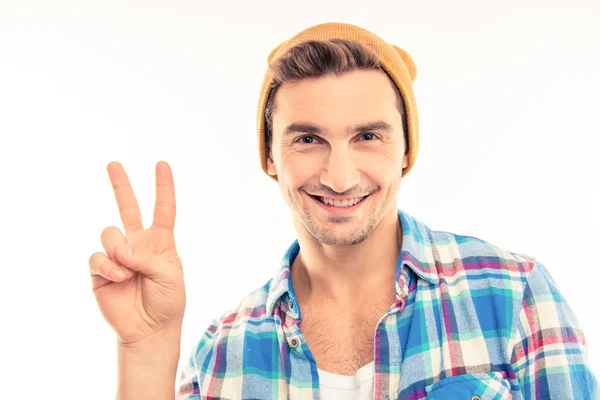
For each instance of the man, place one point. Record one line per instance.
(369, 302)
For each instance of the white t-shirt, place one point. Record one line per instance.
(356, 387)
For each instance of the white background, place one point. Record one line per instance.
(508, 94)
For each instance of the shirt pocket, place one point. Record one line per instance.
(479, 386)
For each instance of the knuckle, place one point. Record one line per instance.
(128, 209)
(165, 204)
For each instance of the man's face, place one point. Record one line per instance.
(328, 155)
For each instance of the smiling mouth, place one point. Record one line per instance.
(340, 204)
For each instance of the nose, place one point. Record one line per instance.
(340, 172)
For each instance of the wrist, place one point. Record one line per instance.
(148, 368)
(161, 340)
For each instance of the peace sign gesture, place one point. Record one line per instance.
(148, 295)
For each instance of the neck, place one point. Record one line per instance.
(342, 275)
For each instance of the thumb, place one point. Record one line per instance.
(143, 261)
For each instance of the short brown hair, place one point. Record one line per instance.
(314, 59)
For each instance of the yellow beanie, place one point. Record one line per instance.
(395, 61)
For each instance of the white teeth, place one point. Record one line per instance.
(341, 204)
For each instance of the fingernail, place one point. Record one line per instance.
(125, 250)
(127, 271)
(117, 274)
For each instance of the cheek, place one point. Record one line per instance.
(378, 164)
(298, 167)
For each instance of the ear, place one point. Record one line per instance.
(405, 161)
(271, 169)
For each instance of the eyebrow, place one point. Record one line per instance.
(300, 127)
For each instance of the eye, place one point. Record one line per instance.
(370, 136)
(306, 140)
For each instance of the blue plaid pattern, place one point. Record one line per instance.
(471, 320)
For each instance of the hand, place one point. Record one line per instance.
(147, 296)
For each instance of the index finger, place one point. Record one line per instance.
(164, 209)
(126, 201)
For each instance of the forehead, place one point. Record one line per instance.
(335, 101)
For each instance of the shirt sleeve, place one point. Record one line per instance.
(549, 355)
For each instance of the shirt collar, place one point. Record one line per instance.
(416, 252)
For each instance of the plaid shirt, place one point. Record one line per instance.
(470, 319)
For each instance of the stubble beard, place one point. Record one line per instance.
(337, 231)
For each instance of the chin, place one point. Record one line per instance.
(345, 241)
(332, 235)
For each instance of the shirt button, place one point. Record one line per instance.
(475, 398)
(291, 304)
(294, 343)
